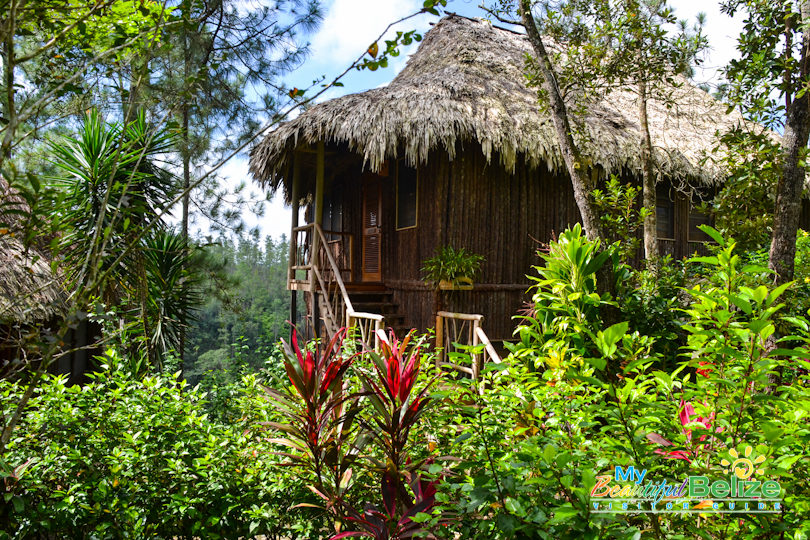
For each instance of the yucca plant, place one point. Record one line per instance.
(111, 188)
(174, 280)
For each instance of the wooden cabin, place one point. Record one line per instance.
(32, 303)
(457, 151)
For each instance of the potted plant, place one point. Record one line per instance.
(452, 269)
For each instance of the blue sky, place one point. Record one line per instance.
(350, 26)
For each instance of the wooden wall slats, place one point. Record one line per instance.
(479, 206)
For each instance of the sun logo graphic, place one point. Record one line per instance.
(743, 465)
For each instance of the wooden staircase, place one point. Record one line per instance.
(379, 300)
(314, 269)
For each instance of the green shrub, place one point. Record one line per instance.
(533, 444)
(139, 458)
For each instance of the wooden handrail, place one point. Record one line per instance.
(375, 321)
(476, 336)
(365, 315)
(335, 270)
(493, 354)
(461, 316)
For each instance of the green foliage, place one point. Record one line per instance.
(174, 273)
(766, 75)
(111, 190)
(797, 297)
(450, 264)
(620, 215)
(743, 208)
(114, 244)
(236, 330)
(127, 457)
(650, 302)
(566, 301)
(533, 444)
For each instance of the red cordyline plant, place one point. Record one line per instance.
(688, 416)
(320, 427)
(390, 523)
(396, 408)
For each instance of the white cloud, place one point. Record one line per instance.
(351, 26)
(721, 30)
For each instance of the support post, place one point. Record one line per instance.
(476, 364)
(295, 199)
(292, 259)
(439, 340)
(317, 217)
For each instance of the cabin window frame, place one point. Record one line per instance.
(663, 194)
(399, 163)
(706, 219)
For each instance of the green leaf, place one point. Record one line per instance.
(563, 513)
(713, 233)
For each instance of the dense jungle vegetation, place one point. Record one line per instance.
(624, 380)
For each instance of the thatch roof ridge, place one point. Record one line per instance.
(466, 83)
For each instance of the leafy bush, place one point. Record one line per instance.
(621, 218)
(336, 436)
(139, 458)
(566, 302)
(536, 446)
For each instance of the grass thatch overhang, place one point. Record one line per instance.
(466, 83)
(29, 289)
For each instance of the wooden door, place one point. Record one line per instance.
(372, 232)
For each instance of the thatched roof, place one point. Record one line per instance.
(29, 289)
(466, 83)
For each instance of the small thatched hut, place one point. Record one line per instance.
(456, 151)
(32, 299)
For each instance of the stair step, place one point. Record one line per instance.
(371, 296)
(375, 307)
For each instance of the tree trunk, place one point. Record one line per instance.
(648, 177)
(9, 28)
(562, 125)
(791, 183)
(186, 174)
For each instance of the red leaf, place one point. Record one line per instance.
(409, 376)
(331, 372)
(393, 376)
(675, 454)
(309, 370)
(658, 439)
(686, 411)
(389, 493)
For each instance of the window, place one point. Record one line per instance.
(332, 213)
(664, 215)
(697, 218)
(406, 196)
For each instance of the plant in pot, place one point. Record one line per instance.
(452, 269)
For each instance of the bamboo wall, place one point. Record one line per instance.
(483, 208)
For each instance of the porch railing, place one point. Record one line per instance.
(323, 277)
(463, 329)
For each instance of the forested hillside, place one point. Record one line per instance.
(239, 325)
